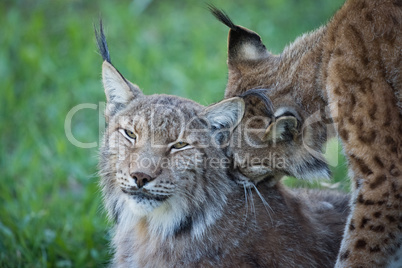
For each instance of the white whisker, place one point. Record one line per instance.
(252, 203)
(265, 203)
(246, 204)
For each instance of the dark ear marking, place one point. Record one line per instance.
(222, 17)
(103, 48)
(101, 42)
(243, 44)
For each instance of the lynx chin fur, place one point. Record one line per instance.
(352, 66)
(173, 205)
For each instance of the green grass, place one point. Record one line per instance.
(50, 205)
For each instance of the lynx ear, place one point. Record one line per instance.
(243, 44)
(119, 92)
(225, 114)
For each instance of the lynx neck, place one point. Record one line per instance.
(301, 62)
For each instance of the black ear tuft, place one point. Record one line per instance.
(101, 42)
(262, 95)
(222, 16)
(243, 44)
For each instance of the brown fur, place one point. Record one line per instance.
(353, 67)
(181, 210)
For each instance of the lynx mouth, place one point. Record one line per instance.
(143, 194)
(256, 172)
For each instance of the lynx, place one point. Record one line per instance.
(353, 66)
(167, 185)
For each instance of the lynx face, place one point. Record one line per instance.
(286, 136)
(153, 160)
(155, 155)
(269, 143)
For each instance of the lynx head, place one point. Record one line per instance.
(281, 138)
(163, 157)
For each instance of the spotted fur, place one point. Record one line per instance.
(181, 206)
(351, 67)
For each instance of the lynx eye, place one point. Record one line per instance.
(179, 145)
(130, 135)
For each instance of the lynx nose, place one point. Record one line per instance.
(141, 178)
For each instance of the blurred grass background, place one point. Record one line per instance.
(50, 206)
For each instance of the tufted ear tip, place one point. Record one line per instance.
(221, 16)
(118, 90)
(101, 42)
(243, 44)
